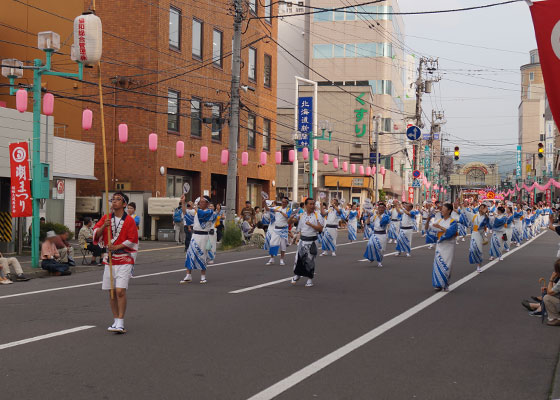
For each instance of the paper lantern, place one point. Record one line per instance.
(204, 154)
(87, 118)
(292, 155)
(123, 133)
(352, 168)
(21, 100)
(361, 169)
(373, 169)
(180, 149)
(436, 187)
(48, 104)
(316, 154)
(244, 158)
(382, 170)
(278, 157)
(224, 157)
(87, 39)
(152, 141)
(345, 166)
(335, 163)
(326, 159)
(263, 157)
(368, 171)
(305, 153)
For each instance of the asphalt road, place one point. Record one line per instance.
(360, 333)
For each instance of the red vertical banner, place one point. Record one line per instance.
(531, 198)
(410, 194)
(548, 197)
(21, 204)
(546, 20)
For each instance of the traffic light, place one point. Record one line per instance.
(541, 150)
(456, 153)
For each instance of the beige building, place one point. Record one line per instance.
(350, 53)
(475, 175)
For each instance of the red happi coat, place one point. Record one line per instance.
(126, 234)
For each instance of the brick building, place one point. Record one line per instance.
(167, 70)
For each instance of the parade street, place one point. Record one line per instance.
(379, 333)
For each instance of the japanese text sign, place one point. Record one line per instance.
(360, 127)
(305, 120)
(21, 205)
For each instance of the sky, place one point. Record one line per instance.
(483, 118)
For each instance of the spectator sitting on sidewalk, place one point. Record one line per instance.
(552, 298)
(5, 264)
(64, 248)
(85, 238)
(50, 256)
(257, 235)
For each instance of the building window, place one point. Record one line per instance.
(217, 122)
(197, 39)
(266, 135)
(175, 28)
(370, 12)
(286, 154)
(253, 6)
(267, 70)
(324, 16)
(175, 185)
(172, 111)
(366, 50)
(251, 139)
(196, 118)
(267, 11)
(339, 15)
(350, 14)
(322, 50)
(350, 50)
(338, 51)
(217, 48)
(531, 76)
(356, 158)
(252, 72)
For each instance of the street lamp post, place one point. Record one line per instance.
(12, 69)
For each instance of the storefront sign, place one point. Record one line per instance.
(410, 194)
(357, 181)
(305, 121)
(21, 205)
(360, 127)
(548, 196)
(531, 198)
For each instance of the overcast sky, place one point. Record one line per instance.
(485, 114)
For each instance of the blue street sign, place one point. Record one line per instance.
(305, 120)
(413, 133)
(416, 174)
(372, 157)
(416, 183)
(426, 136)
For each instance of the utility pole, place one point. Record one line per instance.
(231, 195)
(377, 174)
(419, 124)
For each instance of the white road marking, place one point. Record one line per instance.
(143, 276)
(304, 373)
(47, 336)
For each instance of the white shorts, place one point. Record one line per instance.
(121, 276)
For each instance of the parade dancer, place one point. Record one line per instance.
(197, 254)
(425, 215)
(332, 217)
(517, 233)
(498, 230)
(279, 235)
(310, 223)
(394, 226)
(508, 228)
(268, 220)
(212, 234)
(404, 241)
(479, 223)
(463, 223)
(431, 233)
(445, 249)
(378, 240)
(366, 217)
(352, 220)
(123, 248)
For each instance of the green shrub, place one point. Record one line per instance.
(382, 195)
(232, 236)
(57, 228)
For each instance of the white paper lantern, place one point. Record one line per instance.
(87, 39)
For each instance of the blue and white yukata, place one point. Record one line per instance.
(393, 233)
(378, 240)
(197, 254)
(308, 236)
(498, 229)
(368, 231)
(463, 224)
(270, 219)
(425, 214)
(508, 229)
(517, 232)
(279, 234)
(478, 223)
(431, 234)
(352, 225)
(445, 250)
(330, 231)
(404, 241)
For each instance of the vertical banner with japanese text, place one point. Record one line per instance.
(21, 205)
(548, 197)
(305, 120)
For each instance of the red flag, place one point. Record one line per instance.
(546, 20)
(21, 180)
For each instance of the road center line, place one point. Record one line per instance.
(47, 336)
(304, 373)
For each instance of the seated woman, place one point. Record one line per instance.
(85, 238)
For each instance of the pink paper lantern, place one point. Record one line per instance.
(204, 154)
(316, 154)
(436, 187)
(305, 153)
(278, 157)
(361, 169)
(48, 104)
(244, 158)
(326, 159)
(180, 149)
(352, 168)
(264, 156)
(224, 157)
(368, 171)
(335, 163)
(382, 170)
(345, 166)
(373, 169)
(152, 142)
(123, 133)
(87, 118)
(21, 100)
(292, 155)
